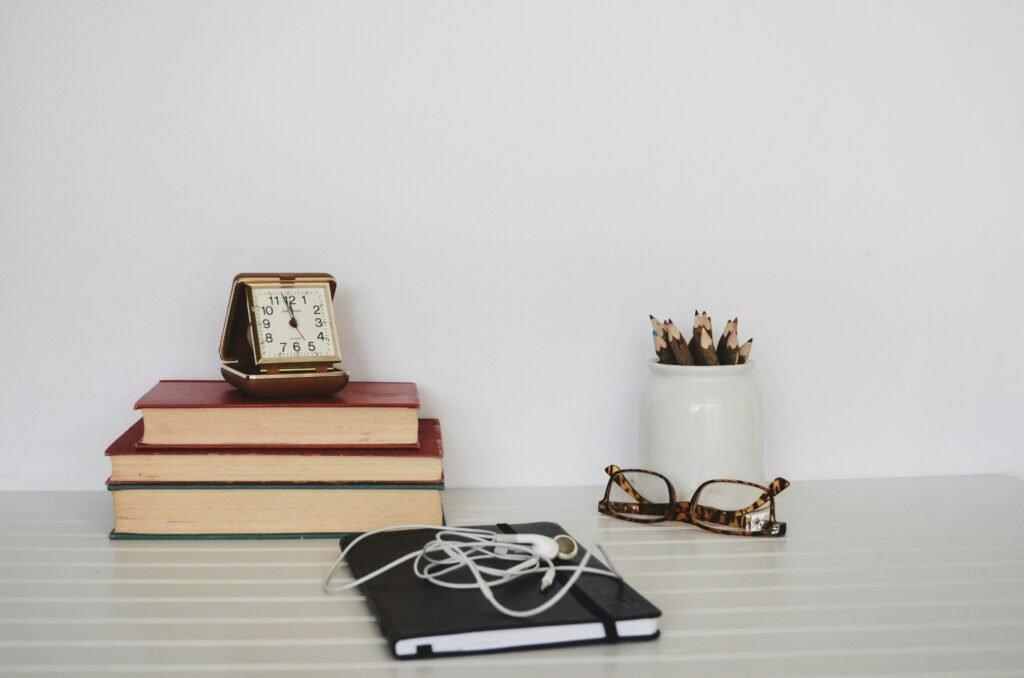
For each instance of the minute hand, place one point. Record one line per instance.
(293, 322)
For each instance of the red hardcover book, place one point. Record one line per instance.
(132, 465)
(211, 413)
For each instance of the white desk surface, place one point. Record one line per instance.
(896, 577)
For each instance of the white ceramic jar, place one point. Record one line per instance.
(699, 423)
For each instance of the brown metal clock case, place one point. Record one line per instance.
(241, 365)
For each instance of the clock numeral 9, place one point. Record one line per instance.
(266, 322)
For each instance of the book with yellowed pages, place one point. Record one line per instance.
(211, 413)
(268, 511)
(132, 463)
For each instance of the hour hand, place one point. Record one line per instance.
(293, 322)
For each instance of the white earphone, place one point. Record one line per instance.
(562, 547)
(457, 548)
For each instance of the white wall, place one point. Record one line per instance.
(505, 190)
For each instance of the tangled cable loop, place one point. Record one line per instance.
(455, 549)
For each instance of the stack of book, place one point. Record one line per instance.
(208, 461)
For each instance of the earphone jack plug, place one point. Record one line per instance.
(547, 580)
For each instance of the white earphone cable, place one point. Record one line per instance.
(456, 548)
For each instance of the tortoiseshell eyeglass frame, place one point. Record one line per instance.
(691, 511)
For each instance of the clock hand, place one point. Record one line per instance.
(293, 322)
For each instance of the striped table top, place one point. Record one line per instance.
(916, 577)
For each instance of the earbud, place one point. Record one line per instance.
(562, 547)
(567, 547)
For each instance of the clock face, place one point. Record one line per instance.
(293, 323)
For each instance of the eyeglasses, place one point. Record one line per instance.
(734, 507)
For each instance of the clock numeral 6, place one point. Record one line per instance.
(296, 347)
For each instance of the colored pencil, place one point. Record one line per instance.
(677, 343)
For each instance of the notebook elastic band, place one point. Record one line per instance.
(611, 633)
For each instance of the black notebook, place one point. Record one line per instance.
(419, 619)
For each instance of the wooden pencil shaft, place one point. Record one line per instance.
(706, 322)
(705, 349)
(677, 344)
(661, 347)
(672, 347)
(744, 351)
(728, 348)
(725, 336)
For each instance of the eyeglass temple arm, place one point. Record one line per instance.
(645, 508)
(683, 511)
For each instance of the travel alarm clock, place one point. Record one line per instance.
(279, 337)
